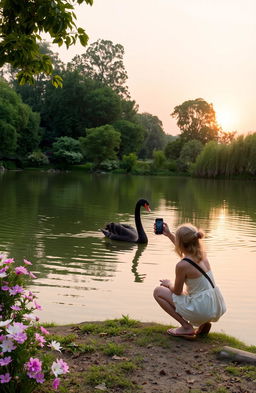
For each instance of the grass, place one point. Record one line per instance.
(113, 376)
(111, 349)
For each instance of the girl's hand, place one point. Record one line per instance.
(166, 230)
(165, 283)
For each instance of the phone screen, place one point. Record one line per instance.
(159, 226)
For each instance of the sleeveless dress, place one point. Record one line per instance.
(202, 303)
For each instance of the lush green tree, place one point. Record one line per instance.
(23, 23)
(196, 120)
(66, 151)
(103, 61)
(155, 136)
(159, 159)
(100, 144)
(19, 126)
(172, 149)
(81, 103)
(129, 162)
(132, 136)
(34, 94)
(189, 153)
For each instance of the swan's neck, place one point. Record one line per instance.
(142, 237)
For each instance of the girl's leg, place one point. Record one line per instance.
(163, 297)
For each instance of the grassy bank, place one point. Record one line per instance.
(128, 356)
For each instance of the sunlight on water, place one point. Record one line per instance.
(55, 219)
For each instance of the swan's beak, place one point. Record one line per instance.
(147, 208)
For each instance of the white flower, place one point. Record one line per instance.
(7, 345)
(3, 274)
(5, 323)
(55, 345)
(56, 369)
(30, 317)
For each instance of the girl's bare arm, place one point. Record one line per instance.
(168, 233)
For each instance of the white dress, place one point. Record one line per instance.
(203, 303)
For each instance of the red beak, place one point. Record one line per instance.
(147, 207)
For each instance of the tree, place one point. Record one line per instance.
(21, 25)
(103, 61)
(172, 149)
(155, 136)
(19, 126)
(100, 144)
(34, 94)
(132, 136)
(66, 151)
(81, 103)
(189, 153)
(196, 120)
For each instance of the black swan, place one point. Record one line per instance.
(126, 233)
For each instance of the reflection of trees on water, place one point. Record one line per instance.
(54, 219)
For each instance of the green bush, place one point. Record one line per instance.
(37, 158)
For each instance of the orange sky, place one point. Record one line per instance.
(177, 50)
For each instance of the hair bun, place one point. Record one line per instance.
(200, 235)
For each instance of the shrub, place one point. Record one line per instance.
(23, 365)
(37, 158)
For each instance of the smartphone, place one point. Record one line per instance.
(159, 226)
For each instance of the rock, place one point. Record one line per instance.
(237, 355)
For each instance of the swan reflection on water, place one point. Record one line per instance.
(122, 246)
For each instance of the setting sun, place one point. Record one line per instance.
(226, 119)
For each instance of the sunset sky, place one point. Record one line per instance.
(176, 50)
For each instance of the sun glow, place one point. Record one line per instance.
(226, 119)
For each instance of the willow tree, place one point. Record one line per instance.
(23, 22)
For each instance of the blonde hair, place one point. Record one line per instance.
(188, 241)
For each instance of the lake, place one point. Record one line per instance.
(54, 220)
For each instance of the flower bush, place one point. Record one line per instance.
(23, 363)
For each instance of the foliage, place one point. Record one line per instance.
(100, 144)
(109, 165)
(66, 151)
(172, 149)
(234, 159)
(128, 162)
(188, 154)
(23, 365)
(103, 61)
(37, 158)
(155, 136)
(159, 159)
(196, 120)
(132, 136)
(81, 103)
(19, 126)
(21, 27)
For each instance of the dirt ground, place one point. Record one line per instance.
(163, 364)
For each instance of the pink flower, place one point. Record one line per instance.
(5, 378)
(32, 275)
(21, 270)
(15, 290)
(15, 308)
(43, 330)
(40, 339)
(33, 366)
(39, 377)
(5, 288)
(27, 262)
(37, 306)
(9, 261)
(5, 361)
(56, 383)
(16, 332)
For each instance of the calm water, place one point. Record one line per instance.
(54, 220)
